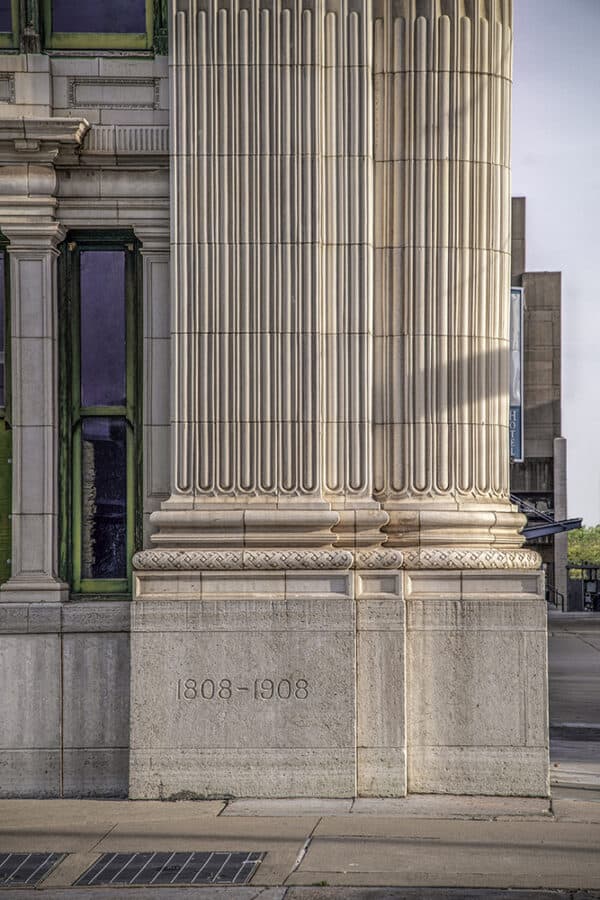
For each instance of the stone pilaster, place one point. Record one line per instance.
(28, 152)
(156, 353)
(442, 147)
(34, 364)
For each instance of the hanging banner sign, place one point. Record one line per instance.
(516, 375)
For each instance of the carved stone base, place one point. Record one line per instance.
(267, 684)
(477, 704)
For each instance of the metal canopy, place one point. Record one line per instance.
(546, 524)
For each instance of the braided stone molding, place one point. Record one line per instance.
(297, 559)
(242, 559)
(378, 559)
(465, 558)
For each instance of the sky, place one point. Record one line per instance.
(556, 166)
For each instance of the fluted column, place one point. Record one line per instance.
(272, 277)
(348, 220)
(442, 264)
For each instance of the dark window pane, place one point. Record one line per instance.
(104, 16)
(5, 16)
(103, 328)
(104, 498)
(2, 336)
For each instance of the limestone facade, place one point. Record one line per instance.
(330, 593)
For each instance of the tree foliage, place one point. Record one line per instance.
(584, 545)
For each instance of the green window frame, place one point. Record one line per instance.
(73, 414)
(57, 40)
(5, 433)
(9, 40)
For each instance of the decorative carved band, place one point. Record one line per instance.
(378, 559)
(465, 558)
(436, 558)
(85, 91)
(243, 559)
(7, 87)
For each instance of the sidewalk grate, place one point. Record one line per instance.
(219, 867)
(26, 869)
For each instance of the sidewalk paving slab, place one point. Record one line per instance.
(309, 893)
(309, 806)
(432, 844)
(436, 806)
(238, 892)
(575, 763)
(515, 854)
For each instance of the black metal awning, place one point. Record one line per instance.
(546, 524)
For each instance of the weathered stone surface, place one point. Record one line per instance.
(239, 693)
(476, 688)
(95, 773)
(243, 697)
(30, 773)
(30, 695)
(95, 691)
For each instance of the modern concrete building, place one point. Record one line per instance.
(541, 479)
(262, 539)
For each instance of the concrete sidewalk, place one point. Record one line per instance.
(426, 844)
(574, 688)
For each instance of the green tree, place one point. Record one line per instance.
(584, 545)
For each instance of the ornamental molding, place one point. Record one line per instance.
(434, 558)
(242, 559)
(94, 93)
(465, 558)
(7, 87)
(378, 559)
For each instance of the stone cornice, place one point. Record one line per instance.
(127, 145)
(40, 140)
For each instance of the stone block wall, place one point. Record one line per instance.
(64, 704)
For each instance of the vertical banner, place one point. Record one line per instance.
(516, 375)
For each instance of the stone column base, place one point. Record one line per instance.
(267, 684)
(31, 590)
(477, 699)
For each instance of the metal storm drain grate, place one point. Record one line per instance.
(26, 869)
(172, 868)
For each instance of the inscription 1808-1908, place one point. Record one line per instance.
(225, 689)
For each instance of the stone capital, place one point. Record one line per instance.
(154, 238)
(27, 237)
(29, 150)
